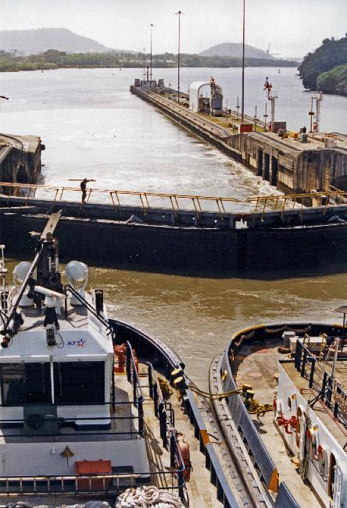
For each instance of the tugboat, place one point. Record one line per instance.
(289, 408)
(93, 408)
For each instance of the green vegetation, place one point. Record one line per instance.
(334, 81)
(53, 59)
(326, 68)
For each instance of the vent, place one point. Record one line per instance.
(40, 420)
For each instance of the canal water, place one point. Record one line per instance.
(93, 127)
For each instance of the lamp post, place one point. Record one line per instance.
(179, 13)
(243, 62)
(151, 60)
(311, 113)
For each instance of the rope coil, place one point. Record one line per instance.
(148, 497)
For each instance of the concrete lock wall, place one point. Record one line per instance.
(20, 158)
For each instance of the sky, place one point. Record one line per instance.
(292, 28)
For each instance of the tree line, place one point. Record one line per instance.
(53, 59)
(326, 68)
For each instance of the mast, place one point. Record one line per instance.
(179, 13)
(243, 62)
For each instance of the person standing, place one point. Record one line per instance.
(84, 188)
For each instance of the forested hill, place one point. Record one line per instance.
(31, 42)
(234, 50)
(326, 68)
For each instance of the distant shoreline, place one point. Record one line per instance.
(25, 68)
(53, 59)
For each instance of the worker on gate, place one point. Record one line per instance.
(84, 188)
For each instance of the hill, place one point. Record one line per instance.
(330, 55)
(334, 81)
(234, 50)
(30, 42)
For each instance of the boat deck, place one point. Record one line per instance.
(260, 363)
(77, 318)
(200, 490)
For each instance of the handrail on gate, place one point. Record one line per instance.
(323, 199)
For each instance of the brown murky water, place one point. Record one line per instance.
(197, 316)
(93, 127)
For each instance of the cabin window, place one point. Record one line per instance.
(79, 383)
(25, 383)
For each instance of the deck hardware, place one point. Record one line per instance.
(67, 453)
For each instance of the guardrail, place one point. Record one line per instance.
(175, 202)
(290, 201)
(102, 484)
(327, 388)
(50, 426)
(164, 413)
(148, 347)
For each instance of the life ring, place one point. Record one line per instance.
(184, 448)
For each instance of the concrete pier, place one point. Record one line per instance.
(286, 162)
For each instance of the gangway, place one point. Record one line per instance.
(172, 201)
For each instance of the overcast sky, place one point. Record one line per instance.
(291, 27)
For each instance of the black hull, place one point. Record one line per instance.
(160, 248)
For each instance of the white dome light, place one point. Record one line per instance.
(77, 276)
(20, 272)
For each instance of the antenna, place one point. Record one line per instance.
(14, 319)
(272, 96)
(318, 98)
(179, 13)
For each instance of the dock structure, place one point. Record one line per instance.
(292, 162)
(181, 233)
(20, 158)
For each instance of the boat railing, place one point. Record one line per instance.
(324, 385)
(164, 412)
(162, 408)
(102, 484)
(134, 379)
(41, 422)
